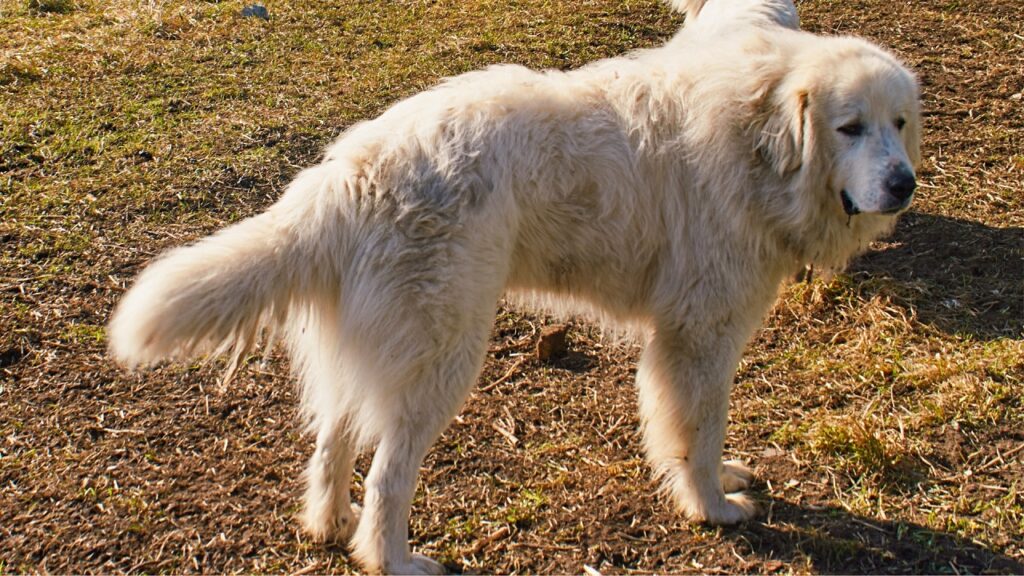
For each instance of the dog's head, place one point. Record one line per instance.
(846, 119)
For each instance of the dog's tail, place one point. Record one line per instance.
(219, 294)
(213, 296)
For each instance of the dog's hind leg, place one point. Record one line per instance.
(415, 420)
(313, 339)
(328, 513)
(684, 401)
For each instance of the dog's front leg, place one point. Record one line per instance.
(684, 386)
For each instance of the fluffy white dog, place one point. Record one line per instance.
(671, 190)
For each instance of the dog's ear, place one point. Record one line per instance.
(781, 129)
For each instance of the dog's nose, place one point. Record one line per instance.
(901, 183)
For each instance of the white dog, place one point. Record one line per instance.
(671, 190)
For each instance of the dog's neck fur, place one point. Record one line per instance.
(798, 209)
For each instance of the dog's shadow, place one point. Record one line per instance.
(962, 278)
(959, 276)
(832, 540)
(575, 361)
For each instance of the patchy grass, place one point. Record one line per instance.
(881, 407)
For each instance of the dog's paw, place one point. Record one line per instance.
(418, 564)
(736, 476)
(325, 525)
(347, 523)
(735, 508)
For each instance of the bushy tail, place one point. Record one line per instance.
(213, 296)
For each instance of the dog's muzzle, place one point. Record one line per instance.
(900, 186)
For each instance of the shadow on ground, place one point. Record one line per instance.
(833, 540)
(959, 276)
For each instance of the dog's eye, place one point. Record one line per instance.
(852, 129)
(900, 123)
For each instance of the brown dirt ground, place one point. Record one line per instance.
(881, 408)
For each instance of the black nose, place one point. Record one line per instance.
(901, 183)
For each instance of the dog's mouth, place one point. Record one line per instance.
(848, 206)
(895, 209)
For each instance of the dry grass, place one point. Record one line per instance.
(882, 407)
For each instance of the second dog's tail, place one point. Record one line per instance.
(729, 13)
(689, 7)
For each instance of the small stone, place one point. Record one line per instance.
(255, 10)
(1017, 96)
(552, 343)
